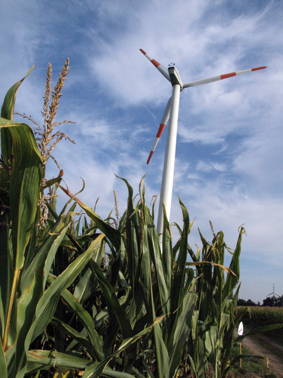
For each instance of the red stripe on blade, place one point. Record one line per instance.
(155, 63)
(143, 51)
(160, 130)
(259, 68)
(228, 75)
(150, 155)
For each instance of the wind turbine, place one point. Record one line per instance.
(172, 112)
(273, 293)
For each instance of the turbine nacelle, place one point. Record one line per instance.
(175, 76)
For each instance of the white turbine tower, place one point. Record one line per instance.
(172, 112)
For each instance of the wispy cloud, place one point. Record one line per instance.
(205, 167)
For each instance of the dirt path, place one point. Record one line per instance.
(262, 345)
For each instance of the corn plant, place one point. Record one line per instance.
(216, 315)
(156, 285)
(214, 320)
(26, 305)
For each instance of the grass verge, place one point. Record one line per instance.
(251, 367)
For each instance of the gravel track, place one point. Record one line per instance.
(263, 346)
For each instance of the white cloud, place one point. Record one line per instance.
(198, 134)
(208, 167)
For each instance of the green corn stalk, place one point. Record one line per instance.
(214, 321)
(121, 312)
(200, 322)
(26, 306)
(20, 183)
(160, 287)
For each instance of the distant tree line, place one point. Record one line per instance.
(273, 301)
(249, 303)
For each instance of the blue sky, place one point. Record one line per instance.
(229, 157)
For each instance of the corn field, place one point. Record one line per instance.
(265, 316)
(93, 297)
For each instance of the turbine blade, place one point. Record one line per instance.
(220, 77)
(162, 125)
(159, 66)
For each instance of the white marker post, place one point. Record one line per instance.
(240, 333)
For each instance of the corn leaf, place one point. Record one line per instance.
(24, 185)
(163, 285)
(110, 232)
(214, 264)
(33, 282)
(97, 368)
(46, 253)
(161, 353)
(180, 270)
(70, 331)
(7, 109)
(234, 266)
(87, 322)
(167, 254)
(42, 359)
(3, 364)
(112, 301)
(181, 331)
(48, 302)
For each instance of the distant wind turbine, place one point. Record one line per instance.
(172, 112)
(273, 294)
